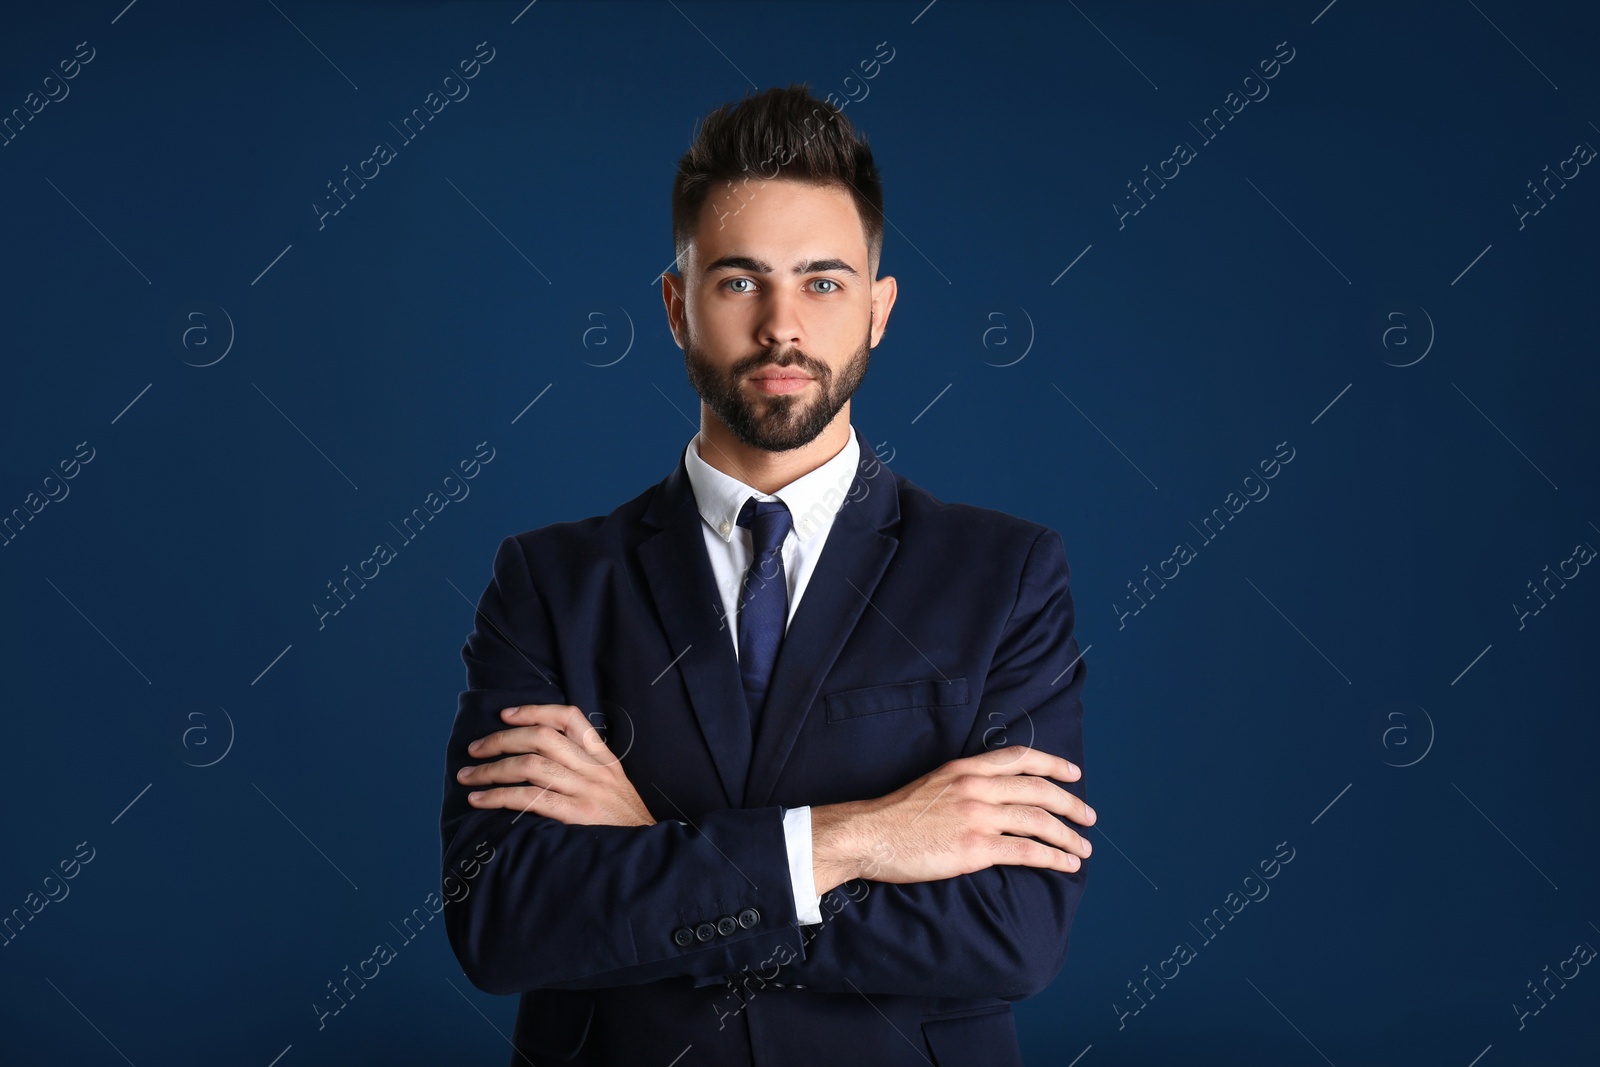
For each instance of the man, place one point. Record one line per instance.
(821, 825)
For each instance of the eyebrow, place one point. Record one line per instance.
(760, 266)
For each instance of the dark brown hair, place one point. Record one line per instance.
(776, 134)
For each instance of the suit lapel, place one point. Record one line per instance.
(685, 591)
(681, 582)
(853, 559)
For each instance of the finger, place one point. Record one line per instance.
(533, 769)
(570, 721)
(538, 800)
(1033, 790)
(1038, 822)
(1026, 852)
(541, 738)
(1020, 759)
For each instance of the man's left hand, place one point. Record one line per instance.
(562, 768)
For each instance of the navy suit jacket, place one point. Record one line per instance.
(928, 631)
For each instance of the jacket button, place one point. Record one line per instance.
(683, 935)
(749, 917)
(727, 925)
(705, 931)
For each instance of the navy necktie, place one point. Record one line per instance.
(763, 599)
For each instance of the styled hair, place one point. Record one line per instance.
(776, 134)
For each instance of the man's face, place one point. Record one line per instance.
(777, 317)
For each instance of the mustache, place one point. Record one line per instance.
(791, 360)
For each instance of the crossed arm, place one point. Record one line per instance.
(968, 864)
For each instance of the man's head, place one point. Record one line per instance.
(777, 219)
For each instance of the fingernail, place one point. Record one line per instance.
(474, 796)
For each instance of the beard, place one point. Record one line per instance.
(782, 422)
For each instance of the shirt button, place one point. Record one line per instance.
(724, 528)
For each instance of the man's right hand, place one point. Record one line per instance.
(998, 807)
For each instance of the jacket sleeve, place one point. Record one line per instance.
(542, 904)
(1000, 932)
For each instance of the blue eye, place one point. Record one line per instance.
(829, 281)
(730, 281)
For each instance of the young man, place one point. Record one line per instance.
(821, 826)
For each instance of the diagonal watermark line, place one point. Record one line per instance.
(99, 631)
(269, 266)
(932, 402)
(1502, 433)
(1513, 44)
(1468, 667)
(1102, 433)
(313, 44)
(712, 843)
(499, 231)
(132, 402)
(302, 833)
(479, 1010)
(1474, 263)
(543, 677)
(90, 1021)
(102, 233)
(713, 44)
(668, 667)
(1502, 833)
(1290, 1021)
(1071, 665)
(131, 803)
(1069, 266)
(1101, 831)
(302, 433)
(1331, 803)
(897, 629)
(1332, 402)
(1113, 44)
(1302, 633)
(269, 666)
(532, 402)
(889, 1021)
(1301, 232)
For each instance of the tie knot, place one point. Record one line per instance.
(768, 521)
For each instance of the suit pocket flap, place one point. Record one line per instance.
(896, 696)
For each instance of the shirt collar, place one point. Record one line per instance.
(812, 499)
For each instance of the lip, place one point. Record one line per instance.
(781, 382)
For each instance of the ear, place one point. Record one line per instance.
(672, 298)
(883, 294)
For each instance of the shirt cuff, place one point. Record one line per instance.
(802, 878)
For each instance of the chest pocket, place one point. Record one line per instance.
(896, 696)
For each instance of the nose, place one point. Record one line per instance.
(779, 325)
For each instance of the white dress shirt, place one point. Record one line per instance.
(813, 500)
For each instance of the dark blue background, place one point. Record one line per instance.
(1341, 669)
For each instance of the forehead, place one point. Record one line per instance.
(780, 220)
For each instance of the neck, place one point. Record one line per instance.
(764, 471)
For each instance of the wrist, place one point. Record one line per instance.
(836, 854)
